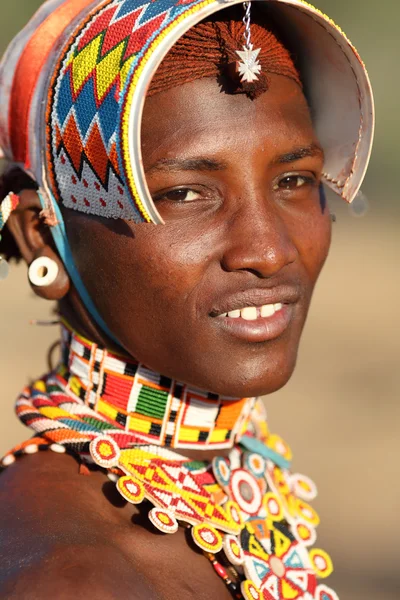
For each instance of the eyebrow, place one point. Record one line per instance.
(187, 164)
(174, 165)
(299, 153)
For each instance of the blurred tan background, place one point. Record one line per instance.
(340, 412)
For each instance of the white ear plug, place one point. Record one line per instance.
(43, 271)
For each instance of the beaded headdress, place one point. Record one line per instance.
(73, 85)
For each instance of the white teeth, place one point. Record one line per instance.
(249, 313)
(267, 310)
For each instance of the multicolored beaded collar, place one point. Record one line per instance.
(247, 512)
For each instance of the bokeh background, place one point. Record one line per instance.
(340, 412)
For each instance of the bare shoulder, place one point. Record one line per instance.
(60, 535)
(66, 535)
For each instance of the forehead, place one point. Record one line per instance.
(199, 115)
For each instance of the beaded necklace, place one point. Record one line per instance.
(248, 513)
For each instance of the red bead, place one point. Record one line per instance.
(220, 570)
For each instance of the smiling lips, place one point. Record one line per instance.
(257, 324)
(258, 321)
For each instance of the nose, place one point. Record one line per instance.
(258, 240)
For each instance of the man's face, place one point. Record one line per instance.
(218, 296)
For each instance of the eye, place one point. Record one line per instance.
(292, 182)
(179, 195)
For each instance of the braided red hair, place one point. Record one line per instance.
(209, 50)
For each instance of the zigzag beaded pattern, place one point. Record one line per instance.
(86, 104)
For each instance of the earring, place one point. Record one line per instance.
(43, 271)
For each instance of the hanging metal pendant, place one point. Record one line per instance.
(250, 67)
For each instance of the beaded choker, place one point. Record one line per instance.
(136, 403)
(248, 513)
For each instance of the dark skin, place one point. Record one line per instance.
(245, 219)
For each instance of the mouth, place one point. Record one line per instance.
(250, 318)
(257, 324)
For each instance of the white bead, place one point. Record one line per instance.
(113, 477)
(58, 448)
(43, 271)
(8, 460)
(31, 449)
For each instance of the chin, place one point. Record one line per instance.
(255, 379)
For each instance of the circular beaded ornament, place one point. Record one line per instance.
(233, 550)
(105, 451)
(307, 513)
(233, 510)
(245, 491)
(285, 573)
(321, 562)
(273, 506)
(221, 470)
(303, 487)
(132, 490)
(249, 590)
(304, 532)
(255, 463)
(163, 520)
(207, 538)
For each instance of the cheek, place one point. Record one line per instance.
(167, 264)
(313, 239)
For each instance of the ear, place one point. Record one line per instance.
(33, 238)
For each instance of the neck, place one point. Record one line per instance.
(148, 407)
